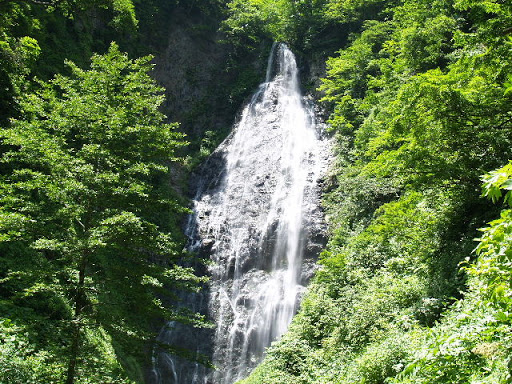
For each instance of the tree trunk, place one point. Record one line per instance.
(77, 324)
(73, 359)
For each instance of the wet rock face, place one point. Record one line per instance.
(257, 217)
(188, 63)
(204, 88)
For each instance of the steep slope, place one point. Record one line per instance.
(420, 110)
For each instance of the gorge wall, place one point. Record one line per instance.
(257, 216)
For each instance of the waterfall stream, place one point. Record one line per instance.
(257, 216)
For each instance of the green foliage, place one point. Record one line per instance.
(420, 108)
(350, 10)
(379, 361)
(419, 96)
(124, 14)
(17, 57)
(36, 38)
(23, 361)
(303, 23)
(497, 182)
(84, 195)
(493, 271)
(20, 362)
(473, 342)
(468, 346)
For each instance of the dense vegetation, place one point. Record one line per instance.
(421, 109)
(90, 225)
(420, 101)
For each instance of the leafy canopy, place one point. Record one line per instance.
(84, 191)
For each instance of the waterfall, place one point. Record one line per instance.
(256, 214)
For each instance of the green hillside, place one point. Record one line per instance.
(419, 100)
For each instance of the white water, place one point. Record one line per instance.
(255, 216)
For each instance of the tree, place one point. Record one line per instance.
(85, 191)
(493, 269)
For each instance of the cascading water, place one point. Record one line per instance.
(256, 214)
